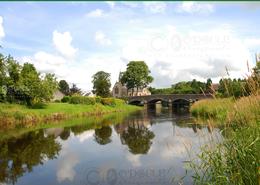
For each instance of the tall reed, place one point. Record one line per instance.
(235, 160)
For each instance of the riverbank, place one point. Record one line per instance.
(20, 116)
(244, 111)
(236, 159)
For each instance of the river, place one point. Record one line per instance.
(148, 147)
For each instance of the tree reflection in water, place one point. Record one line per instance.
(137, 137)
(18, 156)
(103, 135)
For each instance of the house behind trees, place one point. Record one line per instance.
(120, 90)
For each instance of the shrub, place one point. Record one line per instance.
(82, 100)
(98, 99)
(38, 105)
(65, 99)
(108, 101)
(119, 101)
(57, 101)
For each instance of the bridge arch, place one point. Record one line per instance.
(181, 100)
(155, 100)
(181, 105)
(135, 102)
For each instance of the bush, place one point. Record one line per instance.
(82, 100)
(65, 99)
(98, 99)
(120, 101)
(38, 105)
(57, 101)
(108, 101)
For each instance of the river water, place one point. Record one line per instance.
(144, 148)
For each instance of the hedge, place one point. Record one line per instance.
(82, 100)
(65, 99)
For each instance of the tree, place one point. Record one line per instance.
(49, 85)
(64, 87)
(31, 83)
(208, 84)
(13, 69)
(33, 86)
(101, 84)
(2, 78)
(75, 90)
(137, 75)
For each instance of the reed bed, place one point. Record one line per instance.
(235, 160)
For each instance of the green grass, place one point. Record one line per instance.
(243, 111)
(213, 108)
(91, 122)
(236, 159)
(19, 116)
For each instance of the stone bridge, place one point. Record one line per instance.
(169, 98)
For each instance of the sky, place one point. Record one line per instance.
(179, 41)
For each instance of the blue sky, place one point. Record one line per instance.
(178, 40)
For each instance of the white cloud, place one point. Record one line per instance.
(174, 56)
(193, 7)
(62, 42)
(134, 159)
(65, 168)
(155, 7)
(2, 33)
(131, 4)
(111, 4)
(86, 135)
(252, 42)
(95, 13)
(102, 39)
(48, 63)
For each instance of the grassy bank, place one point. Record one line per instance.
(19, 116)
(244, 111)
(236, 159)
(91, 122)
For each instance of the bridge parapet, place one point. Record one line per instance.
(168, 97)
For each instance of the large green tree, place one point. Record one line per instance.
(37, 89)
(137, 75)
(13, 69)
(49, 84)
(101, 84)
(64, 87)
(31, 83)
(2, 77)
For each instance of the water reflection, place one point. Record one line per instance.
(19, 156)
(138, 138)
(152, 139)
(103, 135)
